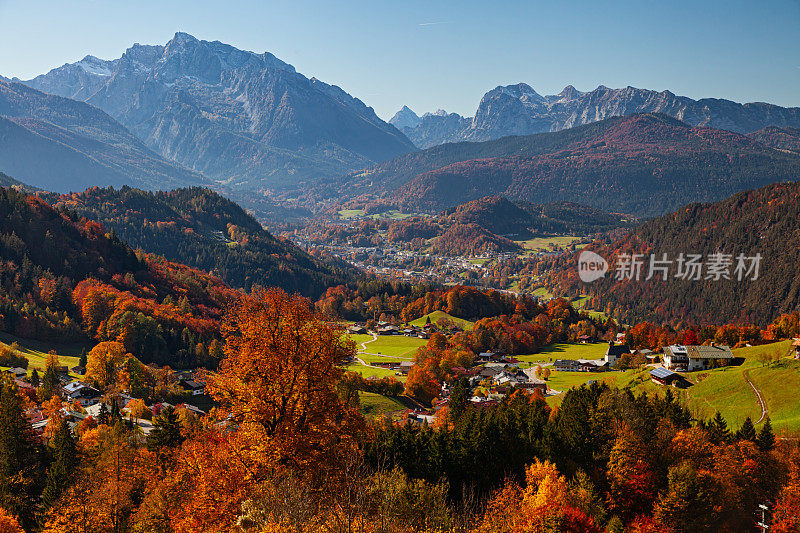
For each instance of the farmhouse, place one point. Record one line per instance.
(615, 351)
(796, 348)
(81, 392)
(580, 365)
(17, 373)
(195, 388)
(689, 358)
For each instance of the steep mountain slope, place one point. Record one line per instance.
(202, 229)
(8, 181)
(66, 278)
(643, 165)
(780, 138)
(60, 144)
(765, 221)
(246, 118)
(519, 110)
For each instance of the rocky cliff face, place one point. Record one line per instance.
(519, 110)
(249, 119)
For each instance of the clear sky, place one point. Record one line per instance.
(433, 54)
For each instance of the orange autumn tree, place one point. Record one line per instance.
(278, 399)
(542, 506)
(9, 524)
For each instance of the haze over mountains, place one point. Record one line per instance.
(520, 110)
(63, 145)
(248, 119)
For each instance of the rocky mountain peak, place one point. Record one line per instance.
(405, 118)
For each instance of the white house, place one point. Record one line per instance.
(614, 352)
(690, 358)
(83, 393)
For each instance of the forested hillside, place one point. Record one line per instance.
(200, 228)
(643, 165)
(765, 221)
(65, 278)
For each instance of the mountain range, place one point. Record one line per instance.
(520, 110)
(642, 165)
(246, 119)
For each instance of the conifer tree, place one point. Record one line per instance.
(166, 430)
(459, 398)
(64, 461)
(718, 431)
(50, 380)
(766, 438)
(747, 431)
(20, 459)
(35, 379)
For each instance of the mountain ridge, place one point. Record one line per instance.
(210, 107)
(519, 110)
(56, 143)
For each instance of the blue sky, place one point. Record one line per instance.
(446, 54)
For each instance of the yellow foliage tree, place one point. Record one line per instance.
(102, 362)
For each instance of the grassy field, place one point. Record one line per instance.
(543, 293)
(371, 371)
(543, 244)
(36, 352)
(551, 352)
(351, 213)
(780, 387)
(375, 405)
(436, 315)
(398, 346)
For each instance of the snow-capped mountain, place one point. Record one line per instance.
(244, 118)
(520, 110)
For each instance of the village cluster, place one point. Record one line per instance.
(81, 400)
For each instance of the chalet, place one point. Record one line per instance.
(388, 330)
(567, 365)
(796, 348)
(405, 366)
(485, 357)
(585, 339)
(356, 329)
(17, 373)
(534, 382)
(614, 352)
(391, 365)
(78, 391)
(195, 388)
(593, 365)
(79, 370)
(581, 365)
(689, 358)
(662, 376)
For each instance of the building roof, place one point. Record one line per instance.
(662, 373)
(617, 349)
(698, 352)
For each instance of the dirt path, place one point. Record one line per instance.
(364, 344)
(746, 374)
